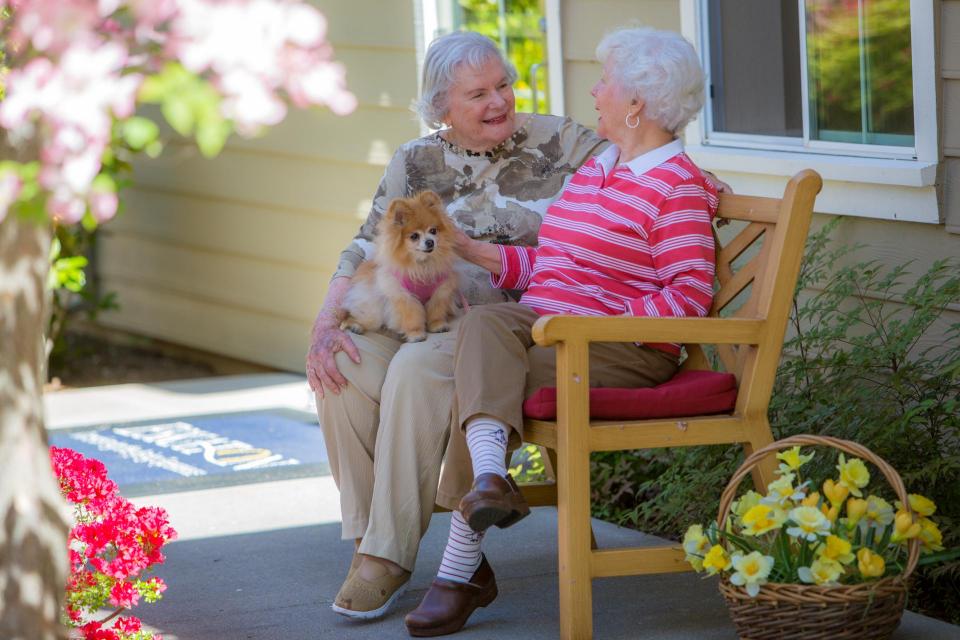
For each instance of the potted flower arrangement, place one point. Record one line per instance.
(815, 557)
(113, 545)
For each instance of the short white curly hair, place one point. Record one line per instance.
(659, 67)
(445, 56)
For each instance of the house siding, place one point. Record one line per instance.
(233, 255)
(950, 70)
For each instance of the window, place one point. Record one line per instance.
(824, 76)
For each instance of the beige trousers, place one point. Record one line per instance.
(497, 364)
(392, 436)
(387, 435)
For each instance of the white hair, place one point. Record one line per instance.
(659, 67)
(444, 58)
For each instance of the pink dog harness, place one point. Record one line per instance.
(422, 291)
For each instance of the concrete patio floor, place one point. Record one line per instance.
(263, 561)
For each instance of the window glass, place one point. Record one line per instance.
(755, 67)
(860, 71)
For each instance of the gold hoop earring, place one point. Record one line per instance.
(632, 126)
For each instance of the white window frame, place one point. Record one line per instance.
(850, 166)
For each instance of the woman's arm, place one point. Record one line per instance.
(326, 338)
(482, 254)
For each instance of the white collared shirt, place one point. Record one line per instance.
(608, 160)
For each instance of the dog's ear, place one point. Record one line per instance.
(431, 199)
(399, 209)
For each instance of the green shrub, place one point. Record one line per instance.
(857, 365)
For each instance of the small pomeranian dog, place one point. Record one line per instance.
(409, 286)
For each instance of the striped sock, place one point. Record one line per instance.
(487, 441)
(461, 557)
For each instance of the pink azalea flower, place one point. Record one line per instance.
(123, 594)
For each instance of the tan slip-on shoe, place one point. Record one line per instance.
(365, 600)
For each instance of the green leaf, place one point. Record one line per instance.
(179, 113)
(154, 149)
(138, 132)
(211, 136)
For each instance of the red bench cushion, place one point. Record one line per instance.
(689, 393)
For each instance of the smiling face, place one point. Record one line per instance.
(481, 107)
(613, 105)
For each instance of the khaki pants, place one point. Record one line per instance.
(497, 364)
(388, 432)
(386, 435)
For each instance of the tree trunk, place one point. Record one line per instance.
(33, 516)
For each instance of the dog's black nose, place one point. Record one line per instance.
(429, 243)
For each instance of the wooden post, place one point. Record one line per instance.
(573, 486)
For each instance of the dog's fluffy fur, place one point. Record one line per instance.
(414, 242)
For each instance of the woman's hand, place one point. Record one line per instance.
(327, 339)
(718, 184)
(322, 370)
(480, 253)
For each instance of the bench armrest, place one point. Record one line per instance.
(550, 330)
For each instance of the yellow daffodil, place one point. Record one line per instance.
(822, 571)
(762, 518)
(781, 492)
(811, 500)
(871, 565)
(930, 537)
(879, 514)
(920, 505)
(716, 560)
(904, 527)
(792, 460)
(853, 474)
(810, 523)
(746, 502)
(837, 549)
(836, 493)
(751, 571)
(830, 511)
(695, 545)
(856, 507)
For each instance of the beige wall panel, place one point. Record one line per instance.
(311, 241)
(265, 180)
(950, 32)
(261, 286)
(951, 197)
(260, 338)
(586, 21)
(366, 136)
(373, 23)
(896, 242)
(579, 78)
(379, 77)
(951, 117)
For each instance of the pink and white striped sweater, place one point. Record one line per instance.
(632, 238)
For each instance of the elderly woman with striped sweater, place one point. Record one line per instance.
(630, 235)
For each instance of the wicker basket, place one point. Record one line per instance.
(812, 612)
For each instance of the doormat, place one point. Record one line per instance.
(200, 452)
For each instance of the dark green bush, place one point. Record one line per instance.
(858, 364)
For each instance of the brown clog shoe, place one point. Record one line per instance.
(493, 500)
(447, 604)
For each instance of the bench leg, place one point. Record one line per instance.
(574, 540)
